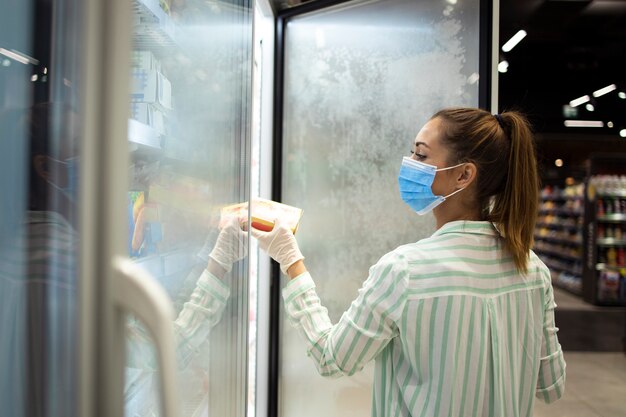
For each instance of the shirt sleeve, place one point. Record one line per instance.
(199, 315)
(362, 332)
(551, 379)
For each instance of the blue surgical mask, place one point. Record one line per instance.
(416, 180)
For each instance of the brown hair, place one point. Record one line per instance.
(507, 184)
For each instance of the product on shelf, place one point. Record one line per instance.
(605, 266)
(558, 234)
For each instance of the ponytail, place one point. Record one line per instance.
(515, 208)
(502, 148)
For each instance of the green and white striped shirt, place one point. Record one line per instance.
(454, 328)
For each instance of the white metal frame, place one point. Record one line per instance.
(107, 278)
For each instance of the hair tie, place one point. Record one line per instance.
(500, 121)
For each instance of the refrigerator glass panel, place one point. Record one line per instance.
(361, 79)
(188, 137)
(39, 182)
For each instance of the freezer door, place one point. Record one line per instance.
(360, 79)
(187, 150)
(40, 233)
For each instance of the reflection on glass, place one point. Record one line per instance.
(39, 160)
(360, 80)
(188, 139)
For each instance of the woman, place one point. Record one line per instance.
(461, 323)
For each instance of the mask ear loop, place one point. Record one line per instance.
(447, 168)
(454, 192)
(460, 189)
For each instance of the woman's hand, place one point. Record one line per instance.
(231, 245)
(280, 244)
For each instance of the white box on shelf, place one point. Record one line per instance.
(145, 60)
(149, 115)
(151, 87)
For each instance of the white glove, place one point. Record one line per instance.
(231, 245)
(280, 244)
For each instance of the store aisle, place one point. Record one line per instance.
(595, 387)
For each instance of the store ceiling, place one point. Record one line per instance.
(573, 48)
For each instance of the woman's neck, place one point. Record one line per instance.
(449, 214)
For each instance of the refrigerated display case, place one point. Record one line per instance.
(604, 269)
(355, 81)
(188, 136)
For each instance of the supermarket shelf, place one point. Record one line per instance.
(609, 241)
(144, 135)
(562, 212)
(559, 226)
(558, 254)
(603, 267)
(566, 284)
(559, 240)
(561, 198)
(612, 218)
(557, 268)
(160, 265)
(612, 194)
(155, 30)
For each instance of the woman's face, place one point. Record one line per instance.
(428, 148)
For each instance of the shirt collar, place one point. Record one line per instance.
(467, 226)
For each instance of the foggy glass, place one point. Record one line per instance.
(39, 182)
(189, 147)
(360, 81)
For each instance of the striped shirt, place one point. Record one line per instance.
(192, 326)
(453, 327)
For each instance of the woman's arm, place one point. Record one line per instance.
(362, 332)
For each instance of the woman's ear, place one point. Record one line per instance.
(467, 175)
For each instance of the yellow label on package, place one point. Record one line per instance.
(263, 213)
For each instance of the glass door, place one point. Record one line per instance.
(40, 232)
(359, 80)
(189, 156)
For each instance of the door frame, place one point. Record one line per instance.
(487, 99)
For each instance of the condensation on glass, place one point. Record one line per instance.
(189, 150)
(360, 81)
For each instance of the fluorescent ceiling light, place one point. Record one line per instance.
(18, 56)
(503, 66)
(590, 107)
(621, 95)
(622, 133)
(584, 123)
(604, 90)
(609, 124)
(515, 39)
(578, 101)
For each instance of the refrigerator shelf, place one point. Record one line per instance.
(606, 267)
(154, 29)
(615, 217)
(609, 241)
(143, 135)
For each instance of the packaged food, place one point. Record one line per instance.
(263, 213)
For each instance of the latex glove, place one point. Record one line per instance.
(280, 244)
(231, 245)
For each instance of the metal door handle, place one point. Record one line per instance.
(136, 291)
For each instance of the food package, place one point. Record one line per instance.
(149, 115)
(150, 86)
(263, 213)
(145, 60)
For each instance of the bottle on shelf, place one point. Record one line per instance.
(621, 256)
(600, 208)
